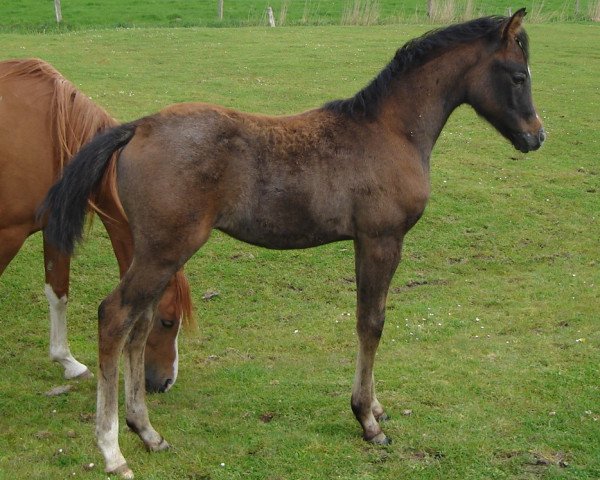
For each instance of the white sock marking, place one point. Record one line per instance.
(59, 345)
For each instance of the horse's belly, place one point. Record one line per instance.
(285, 231)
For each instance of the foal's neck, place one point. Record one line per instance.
(421, 100)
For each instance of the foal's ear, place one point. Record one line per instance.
(513, 26)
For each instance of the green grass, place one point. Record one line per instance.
(491, 338)
(36, 15)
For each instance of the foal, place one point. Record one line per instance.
(354, 169)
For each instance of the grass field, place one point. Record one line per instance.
(36, 15)
(491, 339)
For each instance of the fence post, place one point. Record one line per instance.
(57, 11)
(271, 17)
(510, 11)
(220, 9)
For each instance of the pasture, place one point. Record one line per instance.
(489, 360)
(33, 15)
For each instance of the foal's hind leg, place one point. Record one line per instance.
(56, 266)
(136, 411)
(122, 316)
(125, 319)
(115, 320)
(376, 262)
(376, 407)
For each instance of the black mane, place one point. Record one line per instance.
(415, 53)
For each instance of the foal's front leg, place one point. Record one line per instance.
(376, 262)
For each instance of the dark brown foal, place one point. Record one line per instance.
(354, 169)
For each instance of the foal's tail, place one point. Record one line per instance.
(67, 201)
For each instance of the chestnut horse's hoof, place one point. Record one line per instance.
(123, 472)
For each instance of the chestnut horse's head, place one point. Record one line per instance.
(500, 87)
(161, 356)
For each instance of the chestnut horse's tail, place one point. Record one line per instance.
(67, 201)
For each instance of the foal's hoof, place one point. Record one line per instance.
(72, 374)
(380, 439)
(159, 447)
(383, 417)
(123, 472)
(86, 375)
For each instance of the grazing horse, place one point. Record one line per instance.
(44, 120)
(353, 169)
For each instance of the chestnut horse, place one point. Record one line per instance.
(44, 120)
(353, 169)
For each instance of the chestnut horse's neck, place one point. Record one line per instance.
(75, 118)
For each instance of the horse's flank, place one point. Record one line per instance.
(75, 119)
(106, 203)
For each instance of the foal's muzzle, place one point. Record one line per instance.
(526, 142)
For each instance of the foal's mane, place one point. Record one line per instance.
(416, 52)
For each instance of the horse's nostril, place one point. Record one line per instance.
(166, 386)
(542, 135)
(154, 386)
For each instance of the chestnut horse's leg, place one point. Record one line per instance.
(56, 266)
(376, 261)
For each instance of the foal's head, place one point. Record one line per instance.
(500, 87)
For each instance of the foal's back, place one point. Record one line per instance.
(280, 182)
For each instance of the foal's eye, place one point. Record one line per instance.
(519, 78)
(167, 323)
